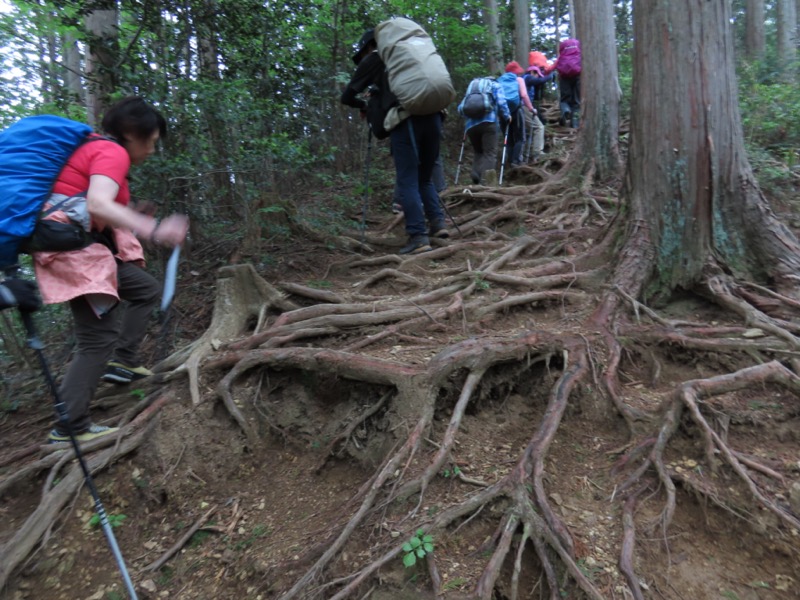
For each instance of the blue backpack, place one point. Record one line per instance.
(32, 153)
(510, 91)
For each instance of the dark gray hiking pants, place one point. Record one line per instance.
(118, 333)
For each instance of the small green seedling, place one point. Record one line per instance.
(113, 520)
(417, 547)
(451, 472)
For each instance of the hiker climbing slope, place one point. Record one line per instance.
(484, 107)
(95, 279)
(516, 94)
(408, 111)
(568, 66)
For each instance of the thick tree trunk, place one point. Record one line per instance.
(204, 15)
(72, 76)
(101, 25)
(688, 179)
(495, 41)
(787, 38)
(754, 34)
(522, 31)
(573, 28)
(597, 147)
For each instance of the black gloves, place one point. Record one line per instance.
(20, 293)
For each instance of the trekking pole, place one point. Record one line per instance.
(366, 186)
(503, 161)
(37, 346)
(170, 283)
(444, 206)
(529, 145)
(460, 156)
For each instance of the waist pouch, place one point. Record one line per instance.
(54, 236)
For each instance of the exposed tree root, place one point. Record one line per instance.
(530, 295)
(242, 295)
(15, 550)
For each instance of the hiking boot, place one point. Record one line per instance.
(491, 177)
(94, 431)
(416, 244)
(439, 230)
(396, 208)
(116, 372)
(476, 180)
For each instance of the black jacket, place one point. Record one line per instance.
(371, 73)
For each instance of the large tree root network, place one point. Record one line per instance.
(524, 290)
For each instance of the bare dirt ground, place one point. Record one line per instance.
(211, 506)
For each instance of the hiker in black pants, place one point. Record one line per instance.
(516, 132)
(568, 65)
(97, 279)
(483, 130)
(414, 142)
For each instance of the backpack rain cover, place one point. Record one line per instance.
(417, 73)
(569, 58)
(32, 153)
(510, 91)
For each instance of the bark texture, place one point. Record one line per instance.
(689, 178)
(754, 30)
(597, 148)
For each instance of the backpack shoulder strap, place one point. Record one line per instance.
(63, 198)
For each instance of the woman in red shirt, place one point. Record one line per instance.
(94, 279)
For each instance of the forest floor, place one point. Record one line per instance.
(259, 512)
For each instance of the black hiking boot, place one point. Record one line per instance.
(439, 230)
(416, 244)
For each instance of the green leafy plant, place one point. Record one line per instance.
(113, 520)
(451, 472)
(418, 546)
(481, 283)
(138, 393)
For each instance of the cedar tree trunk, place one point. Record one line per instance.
(689, 182)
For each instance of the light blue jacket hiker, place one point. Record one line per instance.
(491, 116)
